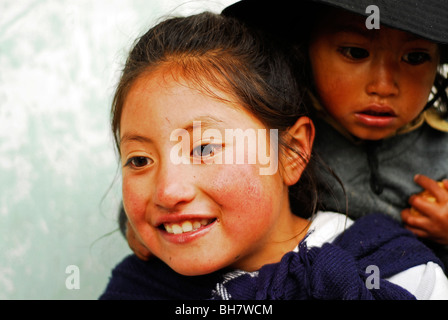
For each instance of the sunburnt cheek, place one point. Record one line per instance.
(242, 193)
(133, 202)
(135, 205)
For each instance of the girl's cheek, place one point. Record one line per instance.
(241, 190)
(236, 181)
(133, 201)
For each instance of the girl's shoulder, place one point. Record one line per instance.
(325, 227)
(424, 277)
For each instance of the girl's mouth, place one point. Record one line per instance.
(186, 226)
(186, 231)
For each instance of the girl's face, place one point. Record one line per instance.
(373, 82)
(198, 217)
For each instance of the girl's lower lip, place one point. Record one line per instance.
(374, 120)
(187, 237)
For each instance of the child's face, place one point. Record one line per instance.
(373, 82)
(245, 216)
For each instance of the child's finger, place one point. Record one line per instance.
(417, 224)
(419, 221)
(143, 255)
(445, 183)
(436, 189)
(431, 224)
(422, 205)
(136, 244)
(418, 232)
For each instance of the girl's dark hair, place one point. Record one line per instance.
(214, 51)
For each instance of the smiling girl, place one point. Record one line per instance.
(225, 231)
(182, 211)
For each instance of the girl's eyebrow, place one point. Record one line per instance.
(206, 122)
(130, 137)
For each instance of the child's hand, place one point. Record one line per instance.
(135, 244)
(428, 216)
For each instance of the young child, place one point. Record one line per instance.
(219, 226)
(374, 125)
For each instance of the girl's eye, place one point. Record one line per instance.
(416, 58)
(205, 150)
(354, 53)
(138, 162)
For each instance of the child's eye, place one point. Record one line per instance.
(354, 53)
(416, 58)
(206, 150)
(138, 162)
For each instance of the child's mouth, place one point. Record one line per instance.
(186, 226)
(376, 116)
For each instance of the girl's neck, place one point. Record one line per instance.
(294, 231)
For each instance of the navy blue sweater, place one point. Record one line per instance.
(334, 271)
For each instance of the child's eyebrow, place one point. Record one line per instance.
(412, 37)
(356, 29)
(360, 29)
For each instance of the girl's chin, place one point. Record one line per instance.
(207, 261)
(189, 268)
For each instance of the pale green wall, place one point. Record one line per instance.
(59, 62)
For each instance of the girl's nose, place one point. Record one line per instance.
(384, 76)
(174, 186)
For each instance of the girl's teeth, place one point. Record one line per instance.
(169, 228)
(185, 226)
(177, 229)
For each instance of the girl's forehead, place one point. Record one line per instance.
(179, 100)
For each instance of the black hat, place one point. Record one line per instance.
(425, 18)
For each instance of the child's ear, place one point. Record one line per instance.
(299, 138)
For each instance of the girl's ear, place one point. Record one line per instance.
(299, 138)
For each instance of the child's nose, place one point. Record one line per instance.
(383, 79)
(174, 186)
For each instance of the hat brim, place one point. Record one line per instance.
(425, 18)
